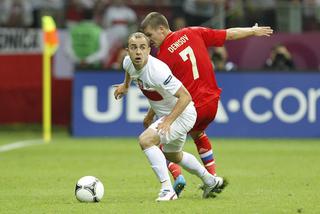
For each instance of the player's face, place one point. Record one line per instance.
(156, 36)
(138, 50)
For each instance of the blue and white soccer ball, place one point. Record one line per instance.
(89, 189)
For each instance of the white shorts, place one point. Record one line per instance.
(175, 139)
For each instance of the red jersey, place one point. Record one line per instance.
(186, 53)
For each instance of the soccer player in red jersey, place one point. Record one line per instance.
(186, 53)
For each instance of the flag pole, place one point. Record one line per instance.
(46, 96)
(50, 46)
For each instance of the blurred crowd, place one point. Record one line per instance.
(26, 13)
(98, 28)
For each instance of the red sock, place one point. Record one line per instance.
(205, 151)
(173, 168)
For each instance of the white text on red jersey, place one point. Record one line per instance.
(174, 46)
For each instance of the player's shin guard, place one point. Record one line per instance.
(205, 151)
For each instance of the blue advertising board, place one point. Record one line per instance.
(252, 105)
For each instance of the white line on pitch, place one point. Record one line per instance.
(19, 144)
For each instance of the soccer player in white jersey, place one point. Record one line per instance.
(172, 103)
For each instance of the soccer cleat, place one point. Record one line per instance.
(211, 188)
(220, 188)
(166, 195)
(179, 184)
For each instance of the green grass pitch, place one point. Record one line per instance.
(266, 176)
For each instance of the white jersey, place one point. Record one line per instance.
(158, 84)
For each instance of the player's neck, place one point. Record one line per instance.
(167, 32)
(165, 35)
(140, 67)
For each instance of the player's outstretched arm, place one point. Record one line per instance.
(244, 32)
(122, 89)
(148, 119)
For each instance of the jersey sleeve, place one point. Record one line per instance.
(163, 78)
(211, 37)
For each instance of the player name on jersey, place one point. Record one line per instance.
(174, 46)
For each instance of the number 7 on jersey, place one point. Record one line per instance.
(186, 54)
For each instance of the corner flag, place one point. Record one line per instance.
(51, 40)
(50, 45)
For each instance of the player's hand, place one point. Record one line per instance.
(120, 91)
(164, 127)
(147, 121)
(261, 31)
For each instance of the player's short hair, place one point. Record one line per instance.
(139, 35)
(154, 20)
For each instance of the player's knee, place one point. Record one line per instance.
(147, 139)
(143, 141)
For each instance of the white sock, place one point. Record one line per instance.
(208, 179)
(158, 163)
(192, 165)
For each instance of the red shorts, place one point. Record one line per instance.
(205, 115)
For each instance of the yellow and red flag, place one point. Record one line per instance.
(50, 35)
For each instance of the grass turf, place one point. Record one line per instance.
(266, 176)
